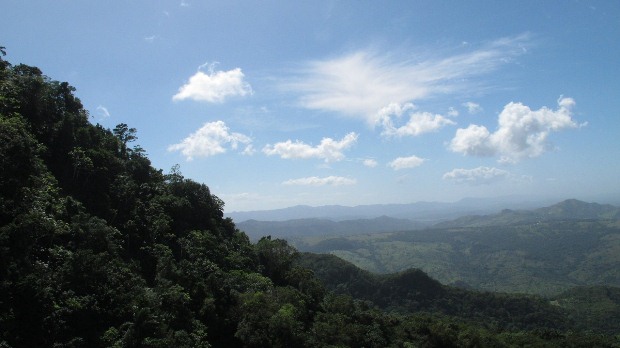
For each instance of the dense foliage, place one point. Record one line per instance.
(98, 248)
(493, 253)
(414, 291)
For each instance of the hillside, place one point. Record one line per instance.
(100, 249)
(514, 251)
(589, 308)
(592, 306)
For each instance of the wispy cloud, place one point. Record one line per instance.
(477, 176)
(329, 149)
(102, 112)
(521, 133)
(211, 139)
(249, 150)
(371, 163)
(214, 86)
(472, 108)
(406, 162)
(317, 181)
(150, 39)
(361, 83)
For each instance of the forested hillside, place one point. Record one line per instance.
(515, 251)
(100, 249)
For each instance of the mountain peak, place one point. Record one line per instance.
(576, 209)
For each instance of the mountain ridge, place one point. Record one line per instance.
(569, 209)
(422, 211)
(325, 227)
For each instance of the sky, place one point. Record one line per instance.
(281, 103)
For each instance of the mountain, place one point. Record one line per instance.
(542, 251)
(322, 227)
(426, 212)
(570, 209)
(414, 290)
(576, 209)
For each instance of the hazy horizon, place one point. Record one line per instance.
(514, 199)
(277, 104)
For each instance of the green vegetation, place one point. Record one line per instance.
(540, 257)
(100, 249)
(592, 307)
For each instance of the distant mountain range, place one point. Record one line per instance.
(323, 227)
(425, 212)
(543, 250)
(421, 216)
(570, 209)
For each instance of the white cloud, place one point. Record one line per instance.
(452, 112)
(214, 86)
(316, 181)
(249, 150)
(150, 39)
(477, 176)
(406, 162)
(329, 149)
(419, 123)
(369, 162)
(521, 133)
(102, 112)
(385, 114)
(361, 83)
(472, 107)
(473, 140)
(211, 140)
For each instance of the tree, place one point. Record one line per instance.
(125, 135)
(276, 258)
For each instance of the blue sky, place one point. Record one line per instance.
(279, 103)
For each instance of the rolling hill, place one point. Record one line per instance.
(544, 251)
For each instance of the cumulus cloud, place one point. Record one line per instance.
(316, 181)
(329, 149)
(477, 176)
(406, 162)
(472, 108)
(214, 86)
(419, 122)
(369, 162)
(361, 83)
(521, 133)
(211, 139)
